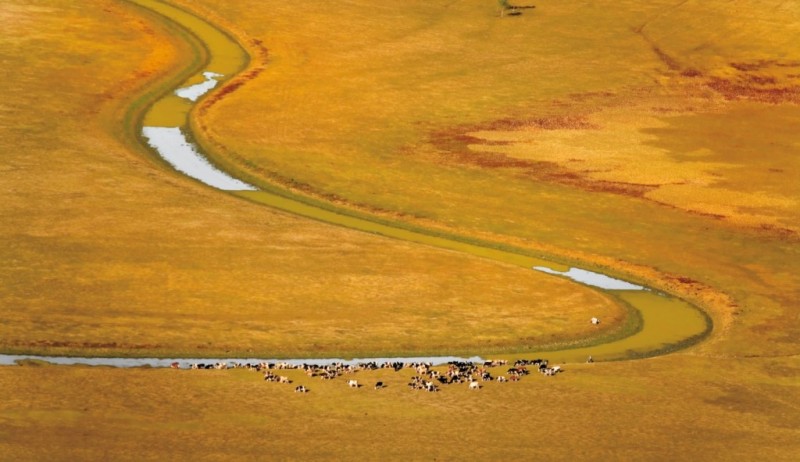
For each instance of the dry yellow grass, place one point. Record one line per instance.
(664, 409)
(423, 84)
(613, 133)
(107, 252)
(103, 246)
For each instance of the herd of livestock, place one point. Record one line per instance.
(427, 377)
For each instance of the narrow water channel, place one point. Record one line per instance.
(185, 363)
(667, 323)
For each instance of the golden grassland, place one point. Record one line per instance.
(665, 131)
(451, 84)
(106, 251)
(677, 407)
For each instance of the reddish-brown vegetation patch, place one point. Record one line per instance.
(671, 62)
(757, 81)
(783, 233)
(691, 72)
(567, 122)
(557, 174)
(453, 147)
(750, 88)
(455, 141)
(262, 55)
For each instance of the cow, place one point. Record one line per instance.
(284, 379)
(595, 321)
(474, 386)
(175, 365)
(550, 371)
(378, 385)
(300, 389)
(502, 378)
(352, 383)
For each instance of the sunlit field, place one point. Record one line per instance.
(653, 141)
(661, 409)
(110, 253)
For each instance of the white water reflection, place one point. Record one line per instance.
(172, 145)
(592, 279)
(9, 360)
(196, 91)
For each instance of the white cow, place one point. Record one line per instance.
(352, 383)
(595, 321)
(474, 386)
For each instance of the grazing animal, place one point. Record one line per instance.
(550, 371)
(427, 379)
(175, 365)
(595, 321)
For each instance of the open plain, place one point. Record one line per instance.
(654, 141)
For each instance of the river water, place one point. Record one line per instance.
(7, 360)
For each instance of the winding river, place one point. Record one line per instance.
(667, 323)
